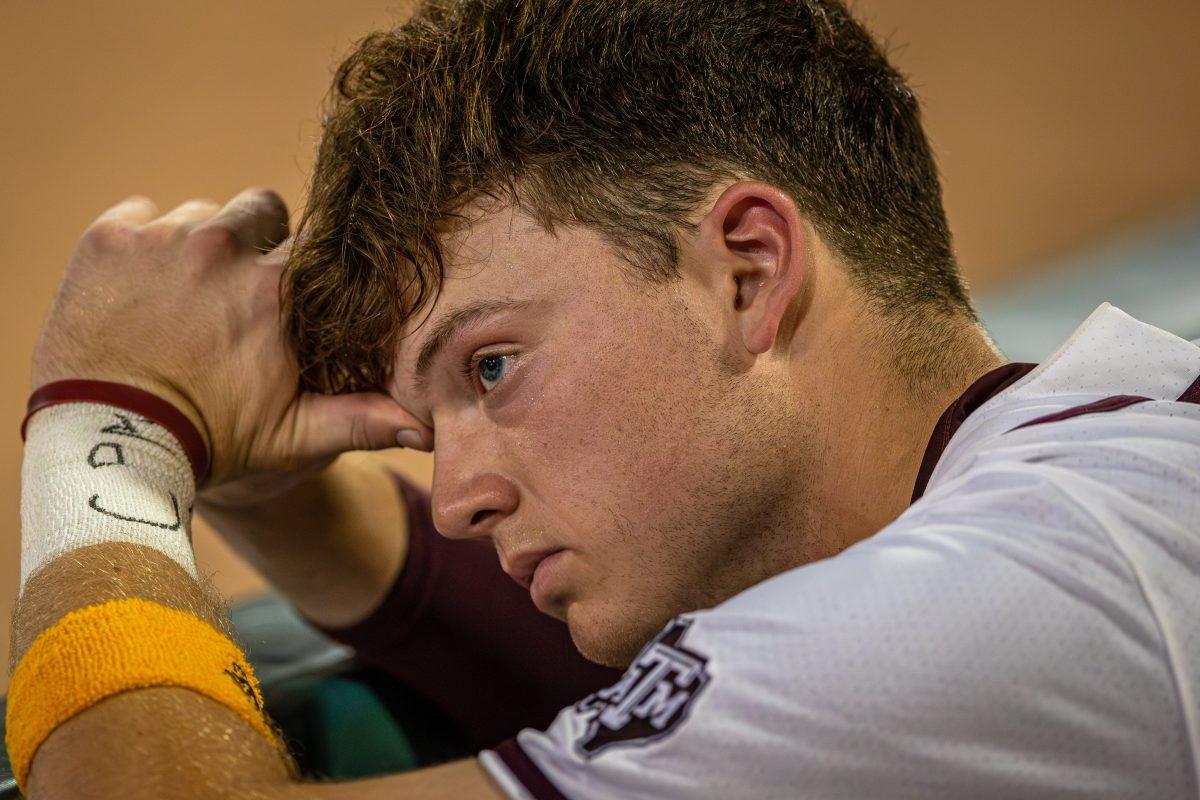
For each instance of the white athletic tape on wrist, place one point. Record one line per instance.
(97, 473)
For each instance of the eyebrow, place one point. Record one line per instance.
(449, 326)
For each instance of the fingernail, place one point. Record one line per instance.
(410, 438)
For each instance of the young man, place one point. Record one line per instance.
(668, 290)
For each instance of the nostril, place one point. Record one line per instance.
(479, 516)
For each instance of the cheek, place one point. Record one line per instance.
(611, 434)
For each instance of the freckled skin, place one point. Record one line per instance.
(633, 429)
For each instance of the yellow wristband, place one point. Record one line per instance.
(117, 646)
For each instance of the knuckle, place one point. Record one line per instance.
(137, 200)
(261, 194)
(106, 236)
(212, 244)
(265, 201)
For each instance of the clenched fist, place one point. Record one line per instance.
(186, 305)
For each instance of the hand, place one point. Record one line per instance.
(186, 305)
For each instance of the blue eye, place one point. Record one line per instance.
(491, 369)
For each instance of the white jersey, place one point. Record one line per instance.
(1029, 628)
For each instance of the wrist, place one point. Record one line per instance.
(95, 473)
(178, 416)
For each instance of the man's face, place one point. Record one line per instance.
(606, 434)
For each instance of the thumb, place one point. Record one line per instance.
(328, 424)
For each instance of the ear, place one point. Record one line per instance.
(755, 236)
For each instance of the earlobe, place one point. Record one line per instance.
(759, 230)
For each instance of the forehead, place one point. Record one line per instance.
(493, 246)
(499, 252)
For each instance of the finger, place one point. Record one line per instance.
(190, 214)
(135, 210)
(258, 217)
(330, 424)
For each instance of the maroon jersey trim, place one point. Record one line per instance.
(526, 772)
(1192, 393)
(1113, 403)
(956, 413)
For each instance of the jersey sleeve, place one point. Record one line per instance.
(993, 642)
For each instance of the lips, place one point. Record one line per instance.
(523, 564)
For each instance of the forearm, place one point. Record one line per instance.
(332, 544)
(172, 742)
(140, 741)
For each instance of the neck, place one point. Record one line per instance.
(882, 421)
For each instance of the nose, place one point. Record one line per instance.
(470, 503)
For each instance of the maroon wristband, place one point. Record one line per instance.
(129, 398)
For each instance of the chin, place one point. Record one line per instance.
(607, 634)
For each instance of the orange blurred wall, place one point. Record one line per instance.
(1056, 124)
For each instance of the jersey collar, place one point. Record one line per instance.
(982, 390)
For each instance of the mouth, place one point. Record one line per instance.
(538, 571)
(546, 587)
(522, 566)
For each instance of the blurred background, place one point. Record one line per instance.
(1066, 131)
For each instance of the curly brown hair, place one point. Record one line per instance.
(619, 115)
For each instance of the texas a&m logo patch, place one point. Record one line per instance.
(652, 698)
